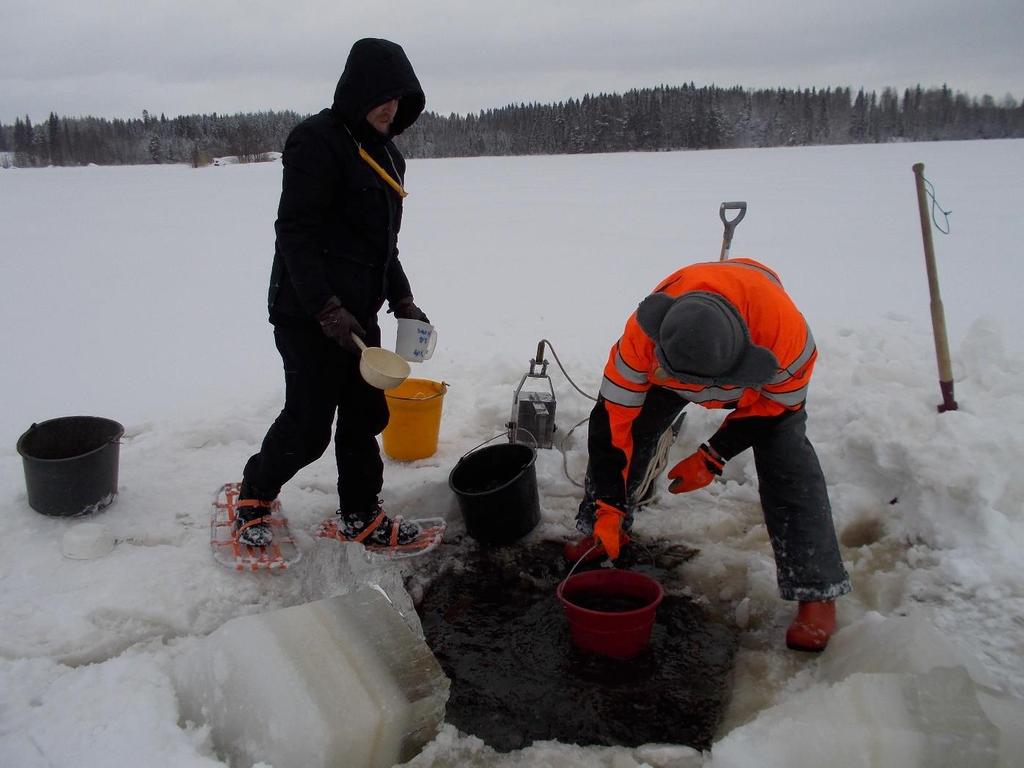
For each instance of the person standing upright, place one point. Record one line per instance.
(335, 265)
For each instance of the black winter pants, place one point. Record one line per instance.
(794, 498)
(321, 380)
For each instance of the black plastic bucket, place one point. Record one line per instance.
(497, 491)
(71, 464)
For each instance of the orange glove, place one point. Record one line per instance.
(608, 528)
(696, 470)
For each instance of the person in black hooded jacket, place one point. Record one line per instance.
(335, 265)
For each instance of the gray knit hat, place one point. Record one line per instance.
(700, 338)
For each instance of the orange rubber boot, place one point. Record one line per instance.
(813, 625)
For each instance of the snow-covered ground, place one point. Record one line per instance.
(139, 294)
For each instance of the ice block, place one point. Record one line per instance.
(340, 681)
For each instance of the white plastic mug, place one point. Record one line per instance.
(416, 340)
(88, 541)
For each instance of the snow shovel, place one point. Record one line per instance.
(730, 225)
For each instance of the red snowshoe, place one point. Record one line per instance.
(280, 554)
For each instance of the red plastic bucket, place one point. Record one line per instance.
(610, 611)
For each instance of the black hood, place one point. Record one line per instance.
(377, 71)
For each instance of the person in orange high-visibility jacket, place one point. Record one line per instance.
(722, 334)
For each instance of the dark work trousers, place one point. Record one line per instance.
(797, 513)
(794, 498)
(661, 406)
(321, 380)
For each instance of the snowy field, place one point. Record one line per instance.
(138, 294)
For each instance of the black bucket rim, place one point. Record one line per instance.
(116, 437)
(490, 491)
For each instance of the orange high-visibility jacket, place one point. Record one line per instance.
(773, 321)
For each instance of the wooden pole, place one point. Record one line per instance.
(938, 314)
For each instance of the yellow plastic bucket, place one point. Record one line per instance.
(415, 422)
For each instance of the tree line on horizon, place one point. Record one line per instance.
(648, 119)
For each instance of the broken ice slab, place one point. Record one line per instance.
(909, 643)
(930, 719)
(892, 691)
(934, 662)
(341, 681)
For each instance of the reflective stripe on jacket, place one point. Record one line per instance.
(773, 321)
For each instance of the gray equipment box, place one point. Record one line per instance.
(534, 419)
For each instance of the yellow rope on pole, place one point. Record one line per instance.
(382, 173)
(938, 314)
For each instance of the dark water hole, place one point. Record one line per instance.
(500, 634)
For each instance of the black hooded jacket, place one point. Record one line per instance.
(338, 221)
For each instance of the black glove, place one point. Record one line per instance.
(338, 323)
(407, 310)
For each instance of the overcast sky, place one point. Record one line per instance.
(114, 58)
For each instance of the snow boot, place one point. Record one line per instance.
(814, 624)
(377, 529)
(252, 526)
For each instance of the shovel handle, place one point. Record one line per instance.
(359, 342)
(730, 224)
